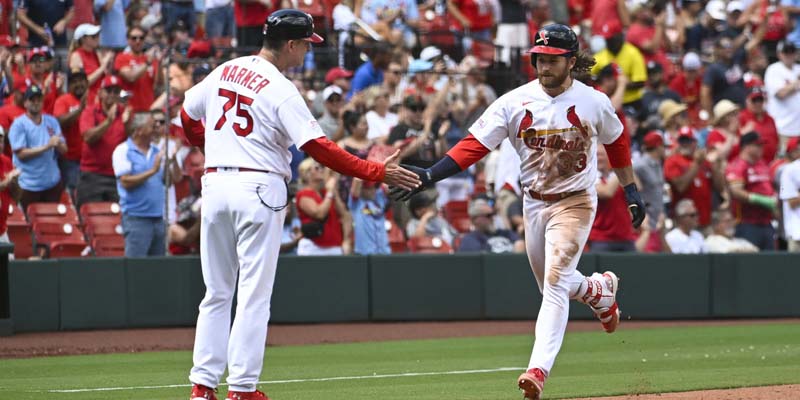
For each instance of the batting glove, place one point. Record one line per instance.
(635, 204)
(400, 194)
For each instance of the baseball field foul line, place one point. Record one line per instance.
(335, 378)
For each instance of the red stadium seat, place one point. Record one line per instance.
(103, 225)
(455, 212)
(109, 246)
(19, 233)
(99, 208)
(64, 238)
(52, 212)
(397, 240)
(428, 245)
(68, 248)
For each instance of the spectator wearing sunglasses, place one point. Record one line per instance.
(685, 238)
(754, 117)
(138, 70)
(420, 144)
(67, 110)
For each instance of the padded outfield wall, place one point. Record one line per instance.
(93, 293)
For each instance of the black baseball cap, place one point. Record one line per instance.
(32, 92)
(291, 24)
(414, 100)
(76, 74)
(785, 46)
(751, 137)
(420, 200)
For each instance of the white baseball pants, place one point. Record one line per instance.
(555, 235)
(238, 236)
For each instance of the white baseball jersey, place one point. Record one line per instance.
(789, 189)
(253, 114)
(555, 137)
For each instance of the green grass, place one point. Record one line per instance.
(590, 364)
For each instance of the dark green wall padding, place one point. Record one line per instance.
(72, 294)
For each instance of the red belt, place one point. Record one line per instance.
(551, 197)
(240, 169)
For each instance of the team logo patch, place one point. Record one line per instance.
(543, 39)
(313, 124)
(481, 123)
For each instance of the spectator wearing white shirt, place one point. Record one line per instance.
(721, 240)
(782, 81)
(685, 238)
(379, 119)
(790, 195)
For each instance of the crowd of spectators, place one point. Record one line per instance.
(708, 90)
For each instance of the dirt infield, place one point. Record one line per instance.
(138, 340)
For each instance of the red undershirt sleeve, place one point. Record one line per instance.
(468, 151)
(619, 152)
(333, 157)
(194, 130)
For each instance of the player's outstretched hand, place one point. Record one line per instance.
(401, 194)
(635, 204)
(398, 176)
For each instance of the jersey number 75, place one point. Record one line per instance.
(236, 99)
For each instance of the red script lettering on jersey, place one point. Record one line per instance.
(244, 77)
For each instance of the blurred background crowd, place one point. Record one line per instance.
(709, 92)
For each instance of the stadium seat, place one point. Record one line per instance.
(428, 245)
(397, 240)
(58, 238)
(99, 208)
(109, 246)
(19, 233)
(52, 212)
(455, 212)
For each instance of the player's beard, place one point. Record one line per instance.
(553, 80)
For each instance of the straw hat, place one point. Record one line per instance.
(669, 108)
(723, 108)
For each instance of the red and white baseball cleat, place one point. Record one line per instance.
(608, 314)
(200, 392)
(257, 395)
(532, 383)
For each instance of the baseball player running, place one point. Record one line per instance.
(252, 114)
(554, 124)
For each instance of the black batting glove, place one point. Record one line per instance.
(400, 194)
(635, 204)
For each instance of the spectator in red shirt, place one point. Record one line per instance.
(250, 16)
(686, 84)
(608, 12)
(607, 233)
(13, 109)
(41, 74)
(9, 188)
(754, 200)
(103, 127)
(691, 176)
(475, 17)
(67, 110)
(138, 70)
(724, 136)
(326, 222)
(754, 118)
(84, 54)
(648, 34)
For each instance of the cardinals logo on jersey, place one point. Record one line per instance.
(547, 138)
(573, 119)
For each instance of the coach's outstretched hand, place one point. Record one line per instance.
(398, 176)
(635, 204)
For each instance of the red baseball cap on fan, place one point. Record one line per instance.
(792, 144)
(653, 139)
(611, 28)
(337, 73)
(686, 133)
(110, 81)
